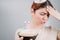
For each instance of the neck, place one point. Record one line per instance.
(35, 25)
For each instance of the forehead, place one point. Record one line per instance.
(42, 10)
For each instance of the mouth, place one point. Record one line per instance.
(42, 22)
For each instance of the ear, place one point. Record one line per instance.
(32, 11)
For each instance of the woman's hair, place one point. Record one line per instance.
(36, 6)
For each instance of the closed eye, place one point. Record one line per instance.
(42, 13)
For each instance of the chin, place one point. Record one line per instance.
(43, 23)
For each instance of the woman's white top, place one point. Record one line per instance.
(45, 33)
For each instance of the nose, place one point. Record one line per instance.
(44, 17)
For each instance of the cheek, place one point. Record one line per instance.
(45, 19)
(38, 17)
(41, 18)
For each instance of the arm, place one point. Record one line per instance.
(53, 12)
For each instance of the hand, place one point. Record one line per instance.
(21, 38)
(53, 12)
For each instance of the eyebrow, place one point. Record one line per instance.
(44, 12)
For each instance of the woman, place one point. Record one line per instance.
(40, 11)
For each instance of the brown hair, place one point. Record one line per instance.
(36, 6)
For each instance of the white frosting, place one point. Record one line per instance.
(40, 1)
(26, 31)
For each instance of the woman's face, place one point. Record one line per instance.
(40, 15)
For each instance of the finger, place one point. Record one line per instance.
(31, 39)
(48, 8)
(21, 38)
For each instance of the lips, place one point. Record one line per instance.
(42, 21)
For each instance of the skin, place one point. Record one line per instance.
(39, 18)
(53, 12)
(56, 15)
(20, 38)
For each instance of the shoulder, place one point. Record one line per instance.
(53, 29)
(58, 32)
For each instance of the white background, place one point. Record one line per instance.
(13, 14)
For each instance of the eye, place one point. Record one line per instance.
(43, 14)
